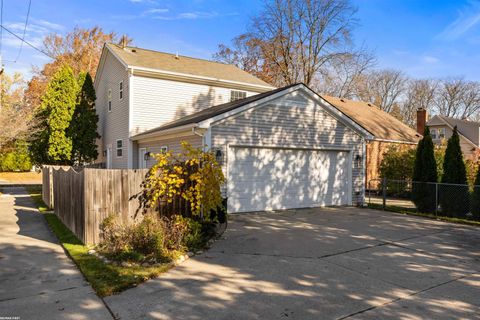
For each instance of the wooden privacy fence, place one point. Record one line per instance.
(82, 198)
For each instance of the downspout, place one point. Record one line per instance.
(203, 148)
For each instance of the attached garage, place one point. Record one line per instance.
(279, 178)
(282, 149)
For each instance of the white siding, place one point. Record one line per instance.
(173, 145)
(159, 101)
(292, 121)
(113, 125)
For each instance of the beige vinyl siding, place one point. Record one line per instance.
(113, 125)
(172, 144)
(159, 101)
(291, 121)
(469, 151)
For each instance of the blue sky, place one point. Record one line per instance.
(423, 38)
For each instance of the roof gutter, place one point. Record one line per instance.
(147, 135)
(394, 141)
(182, 76)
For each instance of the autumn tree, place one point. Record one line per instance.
(16, 117)
(83, 126)
(419, 94)
(80, 49)
(52, 144)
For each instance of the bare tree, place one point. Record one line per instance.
(384, 88)
(419, 94)
(449, 97)
(294, 40)
(342, 77)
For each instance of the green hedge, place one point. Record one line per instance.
(16, 160)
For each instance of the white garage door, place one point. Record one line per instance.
(270, 179)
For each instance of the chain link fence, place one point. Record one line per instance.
(441, 199)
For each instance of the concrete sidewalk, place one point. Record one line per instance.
(37, 279)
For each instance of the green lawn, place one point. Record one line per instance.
(106, 279)
(413, 212)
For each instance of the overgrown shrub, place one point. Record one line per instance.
(18, 159)
(158, 238)
(397, 163)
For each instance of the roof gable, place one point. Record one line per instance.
(468, 129)
(210, 115)
(177, 64)
(380, 124)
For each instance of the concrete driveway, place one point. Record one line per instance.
(37, 279)
(320, 264)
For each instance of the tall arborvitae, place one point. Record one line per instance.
(475, 205)
(454, 199)
(425, 170)
(51, 143)
(83, 127)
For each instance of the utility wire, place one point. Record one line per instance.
(26, 42)
(24, 31)
(1, 23)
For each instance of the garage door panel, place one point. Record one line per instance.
(269, 179)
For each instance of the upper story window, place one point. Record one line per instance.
(119, 148)
(433, 133)
(441, 133)
(109, 97)
(120, 90)
(237, 95)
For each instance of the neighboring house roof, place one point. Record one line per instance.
(218, 110)
(468, 129)
(178, 64)
(380, 124)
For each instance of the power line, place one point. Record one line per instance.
(1, 23)
(24, 30)
(26, 42)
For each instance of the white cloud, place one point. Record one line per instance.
(467, 19)
(190, 15)
(156, 10)
(430, 59)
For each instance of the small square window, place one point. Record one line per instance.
(120, 90)
(237, 95)
(119, 148)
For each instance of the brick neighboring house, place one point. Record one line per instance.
(441, 128)
(386, 131)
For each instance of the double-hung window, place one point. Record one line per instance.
(441, 133)
(109, 97)
(119, 148)
(120, 90)
(433, 133)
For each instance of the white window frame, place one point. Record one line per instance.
(433, 133)
(237, 95)
(120, 90)
(109, 100)
(117, 148)
(441, 133)
(163, 149)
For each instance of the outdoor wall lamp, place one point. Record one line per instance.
(219, 156)
(146, 156)
(358, 160)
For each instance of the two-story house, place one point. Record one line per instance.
(279, 148)
(441, 129)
